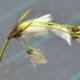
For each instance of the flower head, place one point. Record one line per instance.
(40, 27)
(36, 29)
(36, 56)
(62, 32)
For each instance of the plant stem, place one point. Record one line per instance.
(26, 47)
(3, 48)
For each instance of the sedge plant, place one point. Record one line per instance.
(40, 27)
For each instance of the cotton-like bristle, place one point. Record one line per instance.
(62, 32)
(44, 18)
(35, 31)
(37, 57)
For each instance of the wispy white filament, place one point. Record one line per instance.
(37, 57)
(44, 18)
(63, 33)
(35, 31)
(42, 29)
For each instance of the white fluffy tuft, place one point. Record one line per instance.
(44, 18)
(37, 57)
(63, 33)
(35, 31)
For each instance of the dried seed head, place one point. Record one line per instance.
(36, 31)
(62, 32)
(36, 57)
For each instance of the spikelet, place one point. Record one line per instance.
(39, 28)
(37, 57)
(36, 31)
(62, 32)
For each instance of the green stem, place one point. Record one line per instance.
(3, 48)
(26, 47)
